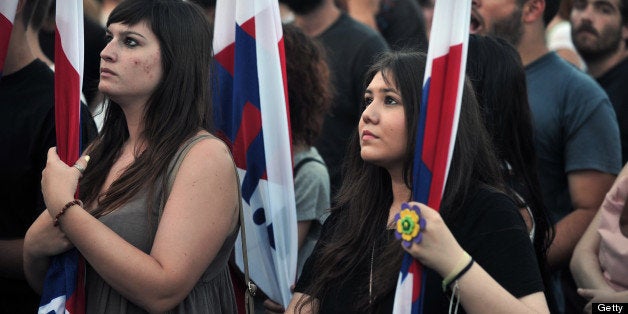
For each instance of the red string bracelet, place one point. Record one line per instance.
(65, 207)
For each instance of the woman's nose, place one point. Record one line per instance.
(108, 53)
(370, 114)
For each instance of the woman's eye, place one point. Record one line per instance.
(390, 101)
(130, 42)
(367, 101)
(108, 38)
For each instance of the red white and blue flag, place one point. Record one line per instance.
(7, 15)
(251, 113)
(64, 287)
(436, 132)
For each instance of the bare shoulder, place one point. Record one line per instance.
(207, 174)
(212, 153)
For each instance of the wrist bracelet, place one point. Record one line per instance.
(65, 207)
(461, 268)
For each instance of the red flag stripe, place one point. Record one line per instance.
(441, 109)
(67, 108)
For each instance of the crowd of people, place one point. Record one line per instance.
(534, 217)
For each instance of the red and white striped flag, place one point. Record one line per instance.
(436, 133)
(251, 112)
(7, 15)
(69, 59)
(64, 287)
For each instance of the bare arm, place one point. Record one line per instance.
(587, 189)
(602, 296)
(293, 307)
(585, 265)
(42, 240)
(303, 227)
(479, 292)
(199, 214)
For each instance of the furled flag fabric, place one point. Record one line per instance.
(436, 132)
(251, 112)
(64, 289)
(7, 15)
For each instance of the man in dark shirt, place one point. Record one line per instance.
(27, 131)
(600, 33)
(351, 48)
(576, 134)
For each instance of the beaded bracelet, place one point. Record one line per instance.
(458, 271)
(65, 207)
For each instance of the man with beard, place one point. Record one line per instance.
(351, 47)
(600, 34)
(576, 133)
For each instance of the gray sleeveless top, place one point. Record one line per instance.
(213, 293)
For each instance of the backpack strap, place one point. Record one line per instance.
(303, 162)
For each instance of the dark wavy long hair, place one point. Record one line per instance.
(366, 193)
(178, 109)
(309, 88)
(496, 71)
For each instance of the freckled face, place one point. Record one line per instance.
(130, 65)
(382, 127)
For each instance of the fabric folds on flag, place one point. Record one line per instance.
(251, 113)
(436, 132)
(64, 287)
(7, 16)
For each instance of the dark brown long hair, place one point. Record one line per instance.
(498, 77)
(309, 88)
(178, 109)
(365, 197)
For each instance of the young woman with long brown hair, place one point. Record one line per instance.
(355, 266)
(160, 213)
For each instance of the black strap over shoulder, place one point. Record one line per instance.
(303, 162)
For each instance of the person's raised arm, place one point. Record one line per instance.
(587, 189)
(478, 291)
(200, 213)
